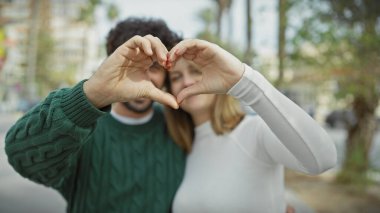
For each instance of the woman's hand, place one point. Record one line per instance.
(220, 69)
(123, 75)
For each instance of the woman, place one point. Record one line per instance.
(235, 161)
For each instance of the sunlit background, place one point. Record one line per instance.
(323, 54)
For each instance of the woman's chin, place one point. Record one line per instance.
(189, 104)
(196, 103)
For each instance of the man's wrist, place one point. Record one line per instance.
(95, 95)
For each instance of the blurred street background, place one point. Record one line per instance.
(322, 54)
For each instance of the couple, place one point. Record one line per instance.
(125, 160)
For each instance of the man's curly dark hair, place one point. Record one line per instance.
(130, 27)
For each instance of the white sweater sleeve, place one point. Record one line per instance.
(301, 143)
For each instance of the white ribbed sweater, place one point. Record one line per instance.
(242, 171)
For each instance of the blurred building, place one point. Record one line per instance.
(13, 25)
(76, 48)
(76, 41)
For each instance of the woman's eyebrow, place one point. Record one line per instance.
(174, 72)
(192, 66)
(156, 64)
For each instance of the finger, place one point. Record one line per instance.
(168, 65)
(189, 45)
(141, 43)
(163, 97)
(188, 48)
(173, 56)
(194, 89)
(190, 57)
(159, 49)
(177, 51)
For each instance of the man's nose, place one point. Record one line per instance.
(147, 77)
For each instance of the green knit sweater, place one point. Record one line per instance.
(97, 163)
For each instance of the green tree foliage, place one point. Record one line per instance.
(2, 44)
(112, 12)
(340, 40)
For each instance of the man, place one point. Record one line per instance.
(122, 161)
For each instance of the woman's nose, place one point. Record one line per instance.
(188, 80)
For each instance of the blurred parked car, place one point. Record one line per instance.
(343, 118)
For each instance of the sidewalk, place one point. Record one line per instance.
(299, 205)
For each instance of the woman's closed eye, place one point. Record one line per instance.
(156, 67)
(195, 71)
(175, 77)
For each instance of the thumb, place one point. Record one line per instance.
(163, 97)
(194, 89)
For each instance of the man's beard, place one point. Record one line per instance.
(135, 109)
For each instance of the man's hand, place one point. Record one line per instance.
(220, 69)
(123, 75)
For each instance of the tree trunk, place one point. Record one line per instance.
(282, 22)
(230, 22)
(221, 6)
(248, 52)
(219, 21)
(359, 140)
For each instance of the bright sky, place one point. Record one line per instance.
(181, 16)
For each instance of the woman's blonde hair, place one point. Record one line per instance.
(226, 113)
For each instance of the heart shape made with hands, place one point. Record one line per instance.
(123, 77)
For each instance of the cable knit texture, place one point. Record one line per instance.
(97, 163)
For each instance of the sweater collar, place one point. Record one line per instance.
(204, 129)
(132, 121)
(157, 121)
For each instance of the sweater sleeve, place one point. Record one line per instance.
(43, 145)
(289, 135)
